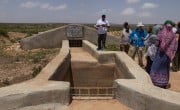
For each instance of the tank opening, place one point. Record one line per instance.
(75, 43)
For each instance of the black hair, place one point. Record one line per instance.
(126, 26)
(103, 16)
(178, 25)
(150, 29)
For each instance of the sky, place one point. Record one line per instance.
(88, 11)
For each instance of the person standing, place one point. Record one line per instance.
(102, 26)
(150, 43)
(137, 41)
(176, 60)
(167, 46)
(125, 38)
(151, 51)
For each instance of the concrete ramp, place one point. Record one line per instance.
(82, 57)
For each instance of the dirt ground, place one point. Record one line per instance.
(97, 105)
(17, 65)
(175, 81)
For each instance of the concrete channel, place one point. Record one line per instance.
(80, 70)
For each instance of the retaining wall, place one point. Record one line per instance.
(40, 90)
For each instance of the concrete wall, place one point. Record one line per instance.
(99, 75)
(53, 38)
(92, 36)
(145, 96)
(49, 39)
(40, 90)
(134, 86)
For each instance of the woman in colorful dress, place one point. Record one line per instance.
(167, 46)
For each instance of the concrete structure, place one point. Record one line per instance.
(53, 38)
(40, 90)
(134, 87)
(52, 86)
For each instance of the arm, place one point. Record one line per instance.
(144, 35)
(177, 36)
(107, 24)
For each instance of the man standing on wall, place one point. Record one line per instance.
(102, 25)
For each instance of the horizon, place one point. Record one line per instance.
(88, 12)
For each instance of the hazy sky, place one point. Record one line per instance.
(88, 11)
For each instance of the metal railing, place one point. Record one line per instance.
(93, 92)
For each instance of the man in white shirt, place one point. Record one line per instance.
(102, 26)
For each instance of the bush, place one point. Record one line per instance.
(112, 47)
(36, 57)
(3, 33)
(36, 71)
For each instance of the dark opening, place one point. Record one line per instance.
(75, 43)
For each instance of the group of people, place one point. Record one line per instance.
(161, 44)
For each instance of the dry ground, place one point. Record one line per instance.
(17, 65)
(97, 105)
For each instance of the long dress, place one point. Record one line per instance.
(164, 55)
(160, 69)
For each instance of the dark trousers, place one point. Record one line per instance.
(101, 41)
(148, 64)
(176, 62)
(124, 47)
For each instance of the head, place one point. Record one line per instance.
(126, 25)
(156, 29)
(150, 29)
(178, 25)
(140, 26)
(153, 39)
(168, 24)
(103, 17)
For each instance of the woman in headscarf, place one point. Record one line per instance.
(167, 46)
(150, 43)
(151, 52)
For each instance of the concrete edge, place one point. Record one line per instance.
(101, 56)
(38, 90)
(122, 60)
(144, 96)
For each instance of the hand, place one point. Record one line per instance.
(104, 25)
(143, 38)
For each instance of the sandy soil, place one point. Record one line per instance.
(97, 105)
(175, 81)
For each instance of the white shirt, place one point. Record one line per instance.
(125, 36)
(101, 29)
(151, 52)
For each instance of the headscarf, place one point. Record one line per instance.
(151, 40)
(168, 42)
(156, 29)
